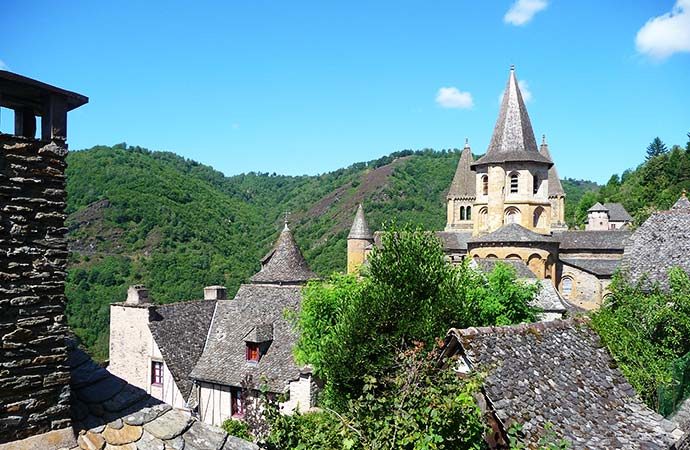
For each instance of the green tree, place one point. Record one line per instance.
(353, 328)
(656, 148)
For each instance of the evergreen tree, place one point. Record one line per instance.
(687, 145)
(656, 148)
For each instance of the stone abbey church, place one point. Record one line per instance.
(509, 205)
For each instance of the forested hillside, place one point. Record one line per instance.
(154, 218)
(654, 185)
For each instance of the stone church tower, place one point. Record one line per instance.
(512, 178)
(462, 193)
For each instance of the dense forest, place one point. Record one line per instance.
(155, 218)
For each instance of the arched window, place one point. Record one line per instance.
(483, 218)
(468, 213)
(566, 286)
(514, 183)
(512, 215)
(485, 185)
(538, 219)
(535, 183)
(462, 213)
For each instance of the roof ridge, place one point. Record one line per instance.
(559, 324)
(555, 186)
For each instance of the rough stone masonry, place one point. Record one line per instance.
(34, 377)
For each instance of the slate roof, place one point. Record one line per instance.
(592, 240)
(598, 207)
(595, 266)
(454, 240)
(464, 184)
(224, 360)
(549, 300)
(512, 232)
(557, 372)
(285, 263)
(106, 411)
(360, 229)
(555, 186)
(617, 212)
(662, 242)
(180, 331)
(521, 269)
(513, 137)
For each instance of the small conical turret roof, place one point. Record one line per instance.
(513, 137)
(597, 207)
(464, 181)
(285, 263)
(360, 229)
(555, 186)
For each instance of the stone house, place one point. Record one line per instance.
(555, 374)
(609, 216)
(52, 395)
(214, 356)
(510, 204)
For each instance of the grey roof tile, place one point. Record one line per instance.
(224, 359)
(521, 269)
(598, 207)
(557, 372)
(121, 420)
(555, 186)
(661, 242)
(595, 266)
(285, 263)
(454, 240)
(513, 137)
(464, 183)
(572, 240)
(360, 229)
(180, 331)
(617, 212)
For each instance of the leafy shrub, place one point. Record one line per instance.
(237, 428)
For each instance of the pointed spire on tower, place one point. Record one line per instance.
(464, 181)
(682, 204)
(360, 229)
(284, 264)
(555, 186)
(513, 137)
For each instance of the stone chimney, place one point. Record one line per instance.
(137, 295)
(34, 375)
(215, 293)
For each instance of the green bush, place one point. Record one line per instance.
(238, 429)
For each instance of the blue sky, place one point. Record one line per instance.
(308, 87)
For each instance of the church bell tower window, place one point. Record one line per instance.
(514, 183)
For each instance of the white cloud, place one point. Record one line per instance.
(3, 66)
(524, 90)
(452, 97)
(523, 11)
(667, 34)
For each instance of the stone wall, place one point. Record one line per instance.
(34, 377)
(131, 344)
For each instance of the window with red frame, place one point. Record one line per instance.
(253, 353)
(156, 372)
(237, 403)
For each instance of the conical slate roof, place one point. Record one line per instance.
(360, 229)
(285, 263)
(555, 187)
(597, 207)
(513, 138)
(682, 203)
(464, 181)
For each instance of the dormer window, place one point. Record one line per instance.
(253, 353)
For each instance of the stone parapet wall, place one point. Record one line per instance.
(34, 376)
